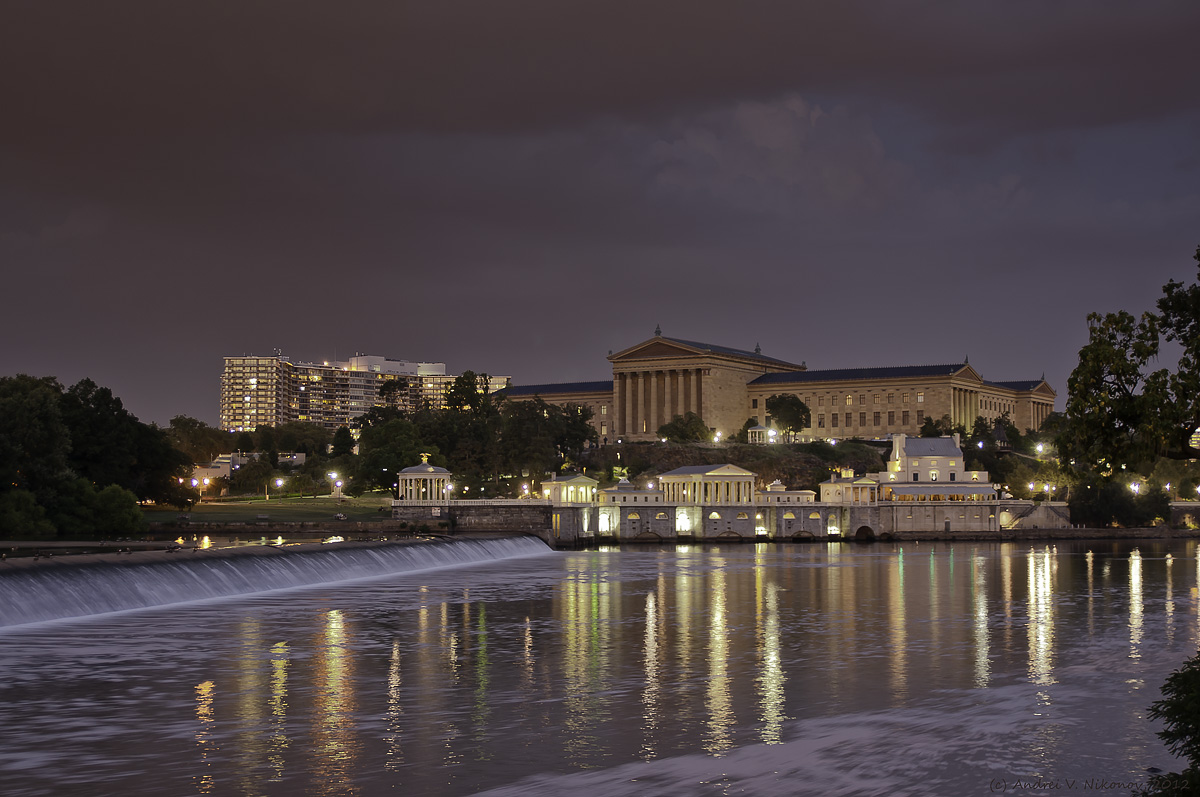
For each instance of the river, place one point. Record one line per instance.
(884, 669)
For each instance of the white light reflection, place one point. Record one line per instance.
(1169, 607)
(718, 701)
(772, 678)
(1041, 617)
(395, 712)
(650, 693)
(1135, 604)
(898, 631)
(979, 597)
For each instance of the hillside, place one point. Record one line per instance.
(800, 466)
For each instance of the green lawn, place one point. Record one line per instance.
(280, 510)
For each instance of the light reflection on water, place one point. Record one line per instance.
(954, 662)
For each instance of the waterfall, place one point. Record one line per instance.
(65, 589)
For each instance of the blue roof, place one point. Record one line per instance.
(557, 389)
(840, 374)
(1028, 384)
(727, 350)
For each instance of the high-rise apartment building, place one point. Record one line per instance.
(269, 390)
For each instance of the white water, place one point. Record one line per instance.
(60, 592)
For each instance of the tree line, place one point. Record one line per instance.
(74, 461)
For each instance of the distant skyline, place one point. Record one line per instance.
(519, 188)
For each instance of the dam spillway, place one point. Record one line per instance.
(64, 588)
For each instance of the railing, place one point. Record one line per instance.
(477, 502)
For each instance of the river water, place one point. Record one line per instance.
(905, 669)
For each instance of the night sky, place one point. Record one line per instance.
(520, 187)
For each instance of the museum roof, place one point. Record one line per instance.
(842, 374)
(931, 447)
(1028, 384)
(727, 350)
(561, 387)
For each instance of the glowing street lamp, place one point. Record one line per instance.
(201, 484)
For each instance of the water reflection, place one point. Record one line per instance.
(898, 630)
(718, 701)
(597, 660)
(980, 603)
(1135, 604)
(334, 718)
(204, 715)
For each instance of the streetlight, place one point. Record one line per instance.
(201, 485)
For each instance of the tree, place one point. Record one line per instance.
(1179, 711)
(1118, 409)
(343, 443)
(244, 443)
(789, 413)
(201, 442)
(688, 428)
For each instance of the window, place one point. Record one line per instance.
(821, 421)
(916, 477)
(753, 404)
(660, 516)
(903, 398)
(891, 397)
(633, 516)
(920, 417)
(862, 398)
(862, 419)
(835, 420)
(933, 474)
(877, 419)
(849, 399)
(891, 417)
(603, 427)
(875, 399)
(904, 417)
(951, 475)
(742, 516)
(820, 401)
(604, 409)
(920, 396)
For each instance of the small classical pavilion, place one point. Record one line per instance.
(423, 482)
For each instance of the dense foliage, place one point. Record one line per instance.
(1179, 710)
(1126, 434)
(74, 461)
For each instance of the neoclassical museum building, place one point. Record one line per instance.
(662, 377)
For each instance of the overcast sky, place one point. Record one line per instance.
(520, 187)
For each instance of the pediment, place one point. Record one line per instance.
(654, 349)
(968, 373)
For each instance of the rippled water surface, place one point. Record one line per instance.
(943, 669)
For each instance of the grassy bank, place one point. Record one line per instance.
(365, 509)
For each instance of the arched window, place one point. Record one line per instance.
(742, 516)
(789, 515)
(714, 515)
(661, 516)
(633, 516)
(814, 515)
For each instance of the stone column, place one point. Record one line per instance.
(652, 427)
(667, 413)
(641, 402)
(627, 420)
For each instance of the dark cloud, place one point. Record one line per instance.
(519, 187)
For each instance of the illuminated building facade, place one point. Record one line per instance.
(271, 390)
(662, 377)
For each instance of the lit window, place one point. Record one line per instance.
(920, 396)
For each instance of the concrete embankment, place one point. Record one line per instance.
(139, 553)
